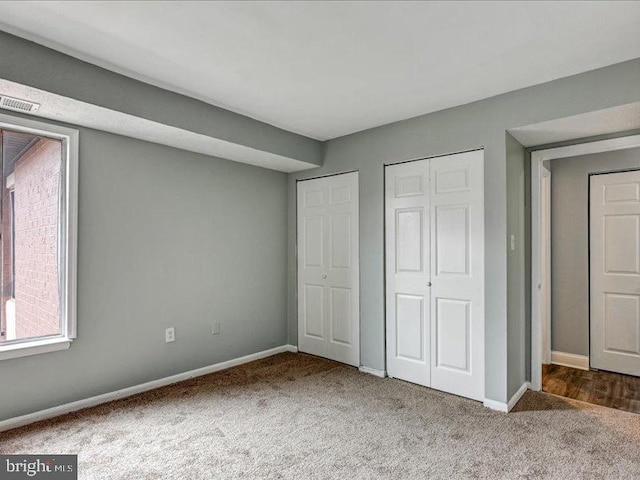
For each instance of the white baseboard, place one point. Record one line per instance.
(373, 371)
(517, 396)
(570, 360)
(495, 405)
(506, 407)
(144, 387)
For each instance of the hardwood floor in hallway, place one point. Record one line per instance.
(598, 387)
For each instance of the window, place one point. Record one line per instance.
(38, 211)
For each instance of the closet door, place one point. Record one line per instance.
(615, 272)
(408, 271)
(328, 268)
(434, 221)
(457, 275)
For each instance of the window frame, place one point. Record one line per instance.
(69, 239)
(12, 212)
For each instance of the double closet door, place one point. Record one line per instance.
(328, 268)
(434, 228)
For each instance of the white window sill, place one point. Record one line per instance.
(35, 347)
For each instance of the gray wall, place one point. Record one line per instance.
(479, 124)
(166, 238)
(516, 272)
(570, 247)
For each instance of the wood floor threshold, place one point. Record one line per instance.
(605, 389)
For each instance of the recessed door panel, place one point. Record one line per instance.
(314, 311)
(409, 185)
(453, 336)
(340, 240)
(313, 197)
(410, 327)
(623, 192)
(622, 323)
(340, 315)
(452, 240)
(340, 194)
(450, 181)
(614, 225)
(621, 240)
(328, 269)
(313, 245)
(409, 240)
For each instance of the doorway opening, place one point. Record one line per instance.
(585, 315)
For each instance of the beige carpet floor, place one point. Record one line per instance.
(294, 416)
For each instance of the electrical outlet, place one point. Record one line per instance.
(170, 335)
(216, 328)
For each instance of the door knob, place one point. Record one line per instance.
(324, 276)
(428, 284)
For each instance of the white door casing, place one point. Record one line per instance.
(435, 272)
(328, 268)
(545, 270)
(615, 272)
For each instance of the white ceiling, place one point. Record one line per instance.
(327, 69)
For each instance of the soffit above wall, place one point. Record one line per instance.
(623, 118)
(68, 110)
(83, 94)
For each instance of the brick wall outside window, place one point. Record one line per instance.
(6, 256)
(37, 188)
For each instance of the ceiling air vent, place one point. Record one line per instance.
(17, 105)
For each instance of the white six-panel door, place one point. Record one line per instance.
(615, 272)
(435, 273)
(328, 268)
